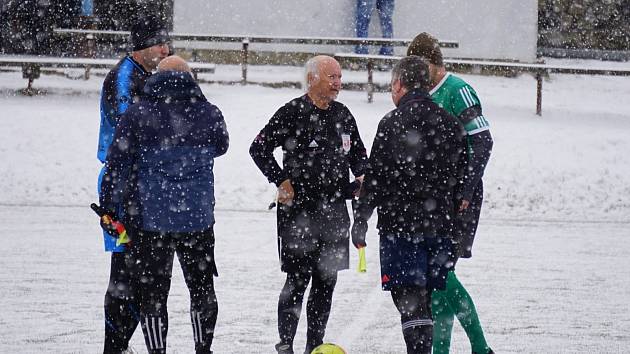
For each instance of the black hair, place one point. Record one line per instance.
(413, 72)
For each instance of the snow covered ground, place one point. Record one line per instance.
(550, 274)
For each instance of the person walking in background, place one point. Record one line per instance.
(320, 143)
(460, 99)
(122, 86)
(385, 10)
(160, 167)
(416, 162)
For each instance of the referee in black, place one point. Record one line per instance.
(321, 144)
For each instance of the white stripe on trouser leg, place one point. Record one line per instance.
(157, 345)
(148, 329)
(155, 337)
(160, 332)
(153, 329)
(417, 323)
(194, 325)
(195, 318)
(199, 327)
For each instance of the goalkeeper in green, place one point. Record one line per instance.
(458, 98)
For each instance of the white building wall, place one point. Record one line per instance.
(490, 29)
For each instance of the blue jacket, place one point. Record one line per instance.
(121, 88)
(159, 165)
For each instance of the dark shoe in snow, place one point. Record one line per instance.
(282, 348)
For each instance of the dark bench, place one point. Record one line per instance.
(539, 70)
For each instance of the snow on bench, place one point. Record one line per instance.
(31, 65)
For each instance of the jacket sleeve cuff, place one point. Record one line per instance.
(277, 180)
(467, 195)
(359, 170)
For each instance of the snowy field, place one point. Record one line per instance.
(550, 272)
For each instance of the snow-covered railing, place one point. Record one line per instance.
(31, 65)
(239, 38)
(539, 70)
(245, 40)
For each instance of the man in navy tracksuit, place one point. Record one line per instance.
(415, 166)
(122, 86)
(160, 167)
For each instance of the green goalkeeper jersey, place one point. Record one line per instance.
(455, 96)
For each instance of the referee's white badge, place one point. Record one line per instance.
(345, 140)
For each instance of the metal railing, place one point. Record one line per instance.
(539, 70)
(246, 40)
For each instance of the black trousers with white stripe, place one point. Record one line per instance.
(150, 260)
(414, 305)
(121, 315)
(317, 307)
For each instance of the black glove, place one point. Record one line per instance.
(359, 229)
(351, 189)
(109, 227)
(106, 219)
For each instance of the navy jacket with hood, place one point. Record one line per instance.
(160, 162)
(415, 167)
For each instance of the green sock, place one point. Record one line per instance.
(443, 317)
(463, 307)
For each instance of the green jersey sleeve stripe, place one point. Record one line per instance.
(476, 125)
(482, 122)
(473, 99)
(465, 98)
(478, 130)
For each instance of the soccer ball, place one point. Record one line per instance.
(328, 348)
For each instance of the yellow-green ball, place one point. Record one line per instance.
(328, 348)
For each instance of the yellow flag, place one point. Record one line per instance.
(122, 238)
(362, 262)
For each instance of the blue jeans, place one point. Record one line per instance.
(385, 9)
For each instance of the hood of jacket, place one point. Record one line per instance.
(416, 94)
(176, 85)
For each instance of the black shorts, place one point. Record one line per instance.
(408, 261)
(313, 239)
(465, 224)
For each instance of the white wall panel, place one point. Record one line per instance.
(492, 29)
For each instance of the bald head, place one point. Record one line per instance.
(315, 64)
(173, 63)
(323, 80)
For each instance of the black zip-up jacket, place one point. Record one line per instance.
(415, 168)
(319, 147)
